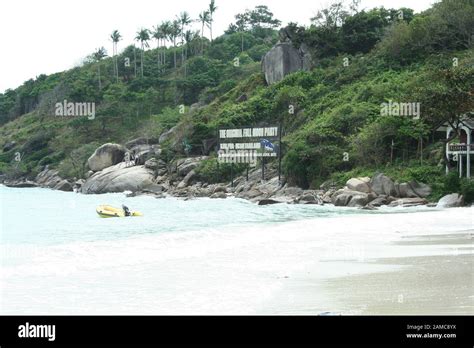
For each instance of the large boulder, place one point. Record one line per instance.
(406, 191)
(280, 61)
(422, 190)
(119, 178)
(184, 166)
(383, 185)
(144, 152)
(64, 185)
(451, 201)
(359, 184)
(106, 156)
(185, 182)
(48, 178)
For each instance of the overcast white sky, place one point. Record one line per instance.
(47, 36)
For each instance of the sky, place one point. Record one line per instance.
(48, 36)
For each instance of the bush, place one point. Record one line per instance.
(467, 190)
(213, 172)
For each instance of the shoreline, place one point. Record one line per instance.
(316, 266)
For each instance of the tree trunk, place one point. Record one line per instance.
(98, 68)
(135, 60)
(142, 59)
(174, 45)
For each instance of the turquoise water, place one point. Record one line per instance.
(203, 256)
(42, 216)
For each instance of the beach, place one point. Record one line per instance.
(232, 257)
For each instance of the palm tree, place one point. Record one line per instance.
(212, 9)
(143, 35)
(184, 20)
(158, 35)
(165, 28)
(116, 37)
(204, 18)
(98, 55)
(173, 35)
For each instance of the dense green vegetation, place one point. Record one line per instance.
(331, 115)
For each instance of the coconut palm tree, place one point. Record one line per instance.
(165, 28)
(98, 55)
(204, 18)
(184, 20)
(115, 37)
(173, 35)
(212, 9)
(158, 36)
(143, 36)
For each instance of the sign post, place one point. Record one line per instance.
(248, 144)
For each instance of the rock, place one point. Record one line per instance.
(21, 184)
(8, 146)
(359, 200)
(220, 195)
(383, 185)
(451, 201)
(307, 197)
(406, 191)
(422, 190)
(78, 184)
(142, 153)
(249, 194)
(176, 135)
(64, 185)
(268, 202)
(184, 166)
(408, 202)
(341, 199)
(106, 156)
(152, 164)
(220, 188)
(186, 180)
(119, 178)
(280, 61)
(379, 201)
(48, 178)
(359, 184)
(327, 196)
(89, 174)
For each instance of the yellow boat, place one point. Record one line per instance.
(106, 211)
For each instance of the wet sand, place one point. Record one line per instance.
(439, 284)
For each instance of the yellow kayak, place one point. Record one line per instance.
(106, 211)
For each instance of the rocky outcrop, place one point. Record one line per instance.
(50, 178)
(383, 185)
(106, 156)
(359, 184)
(451, 201)
(119, 178)
(282, 60)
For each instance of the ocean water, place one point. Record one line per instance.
(198, 256)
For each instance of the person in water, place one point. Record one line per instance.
(126, 210)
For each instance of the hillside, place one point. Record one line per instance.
(331, 115)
